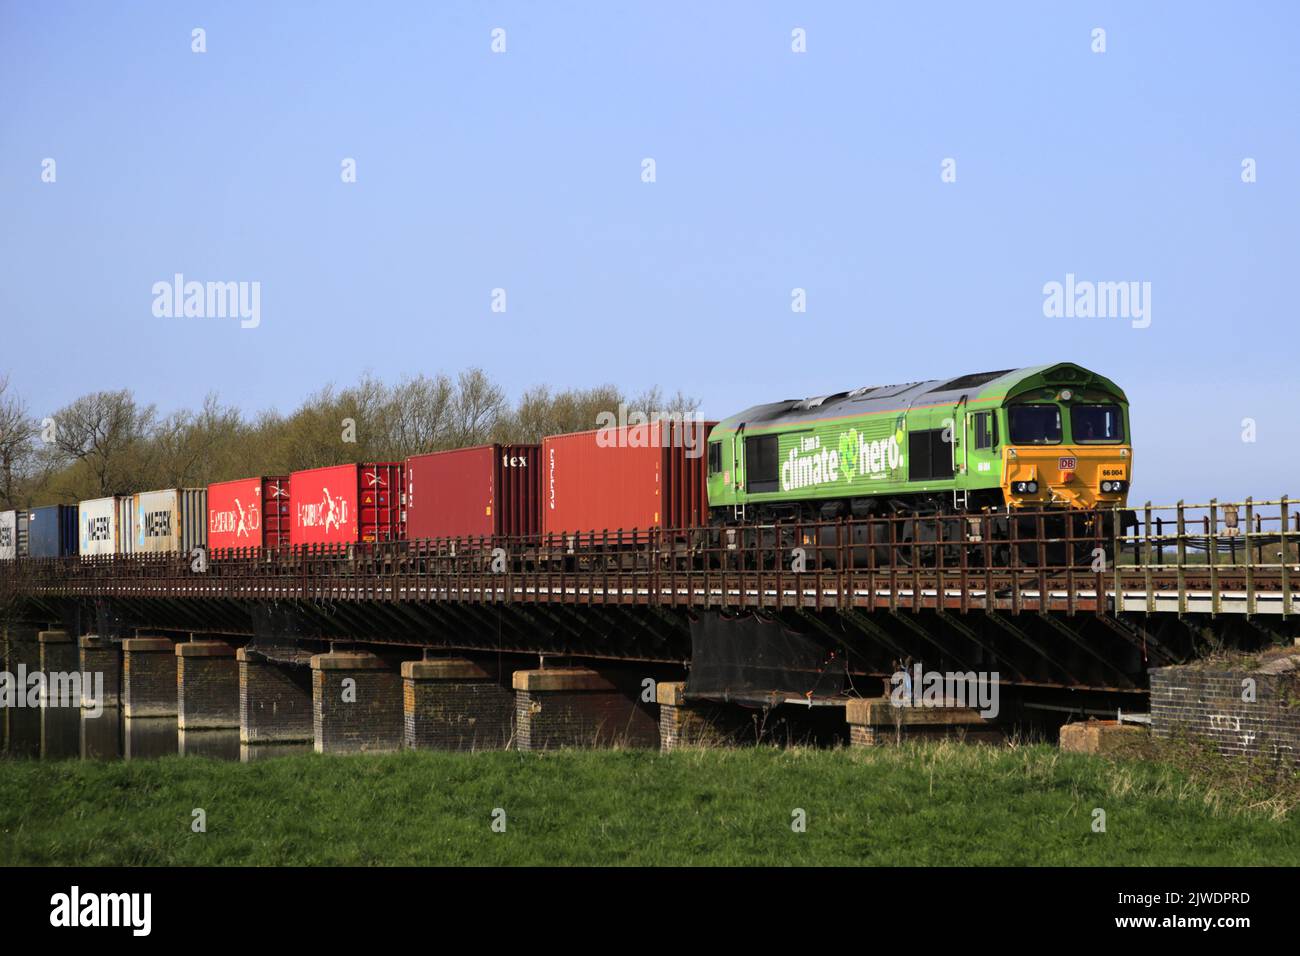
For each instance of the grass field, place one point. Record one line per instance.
(935, 804)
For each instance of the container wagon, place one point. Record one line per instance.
(105, 525)
(52, 531)
(343, 504)
(249, 513)
(485, 491)
(634, 477)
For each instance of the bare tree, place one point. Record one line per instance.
(652, 402)
(476, 409)
(540, 413)
(189, 448)
(106, 443)
(315, 433)
(17, 445)
(105, 433)
(420, 415)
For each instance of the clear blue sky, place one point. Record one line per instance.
(775, 170)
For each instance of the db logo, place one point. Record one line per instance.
(1067, 464)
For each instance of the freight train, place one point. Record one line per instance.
(993, 443)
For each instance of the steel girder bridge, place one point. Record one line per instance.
(1082, 601)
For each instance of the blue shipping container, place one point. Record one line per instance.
(52, 531)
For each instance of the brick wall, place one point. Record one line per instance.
(867, 735)
(454, 705)
(58, 652)
(372, 721)
(275, 702)
(1203, 702)
(685, 723)
(578, 708)
(60, 710)
(207, 686)
(98, 656)
(875, 721)
(861, 735)
(148, 677)
(22, 725)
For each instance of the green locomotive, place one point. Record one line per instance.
(1052, 436)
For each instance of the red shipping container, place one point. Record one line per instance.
(484, 491)
(341, 504)
(651, 476)
(249, 513)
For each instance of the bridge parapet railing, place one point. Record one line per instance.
(1250, 533)
(843, 561)
(1200, 544)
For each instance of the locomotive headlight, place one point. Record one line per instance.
(1025, 487)
(1066, 394)
(1031, 487)
(1105, 487)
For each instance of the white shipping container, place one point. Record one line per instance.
(8, 535)
(175, 519)
(98, 526)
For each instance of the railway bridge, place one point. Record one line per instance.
(1076, 608)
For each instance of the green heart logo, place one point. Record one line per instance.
(848, 453)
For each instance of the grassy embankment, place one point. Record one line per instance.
(944, 804)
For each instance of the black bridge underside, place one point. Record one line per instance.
(741, 654)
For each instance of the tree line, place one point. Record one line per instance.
(109, 442)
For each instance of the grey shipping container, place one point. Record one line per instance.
(173, 519)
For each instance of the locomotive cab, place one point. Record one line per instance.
(1066, 447)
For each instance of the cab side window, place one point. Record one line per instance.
(986, 430)
(715, 457)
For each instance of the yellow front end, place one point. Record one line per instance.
(1080, 476)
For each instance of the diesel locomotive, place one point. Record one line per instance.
(1051, 436)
